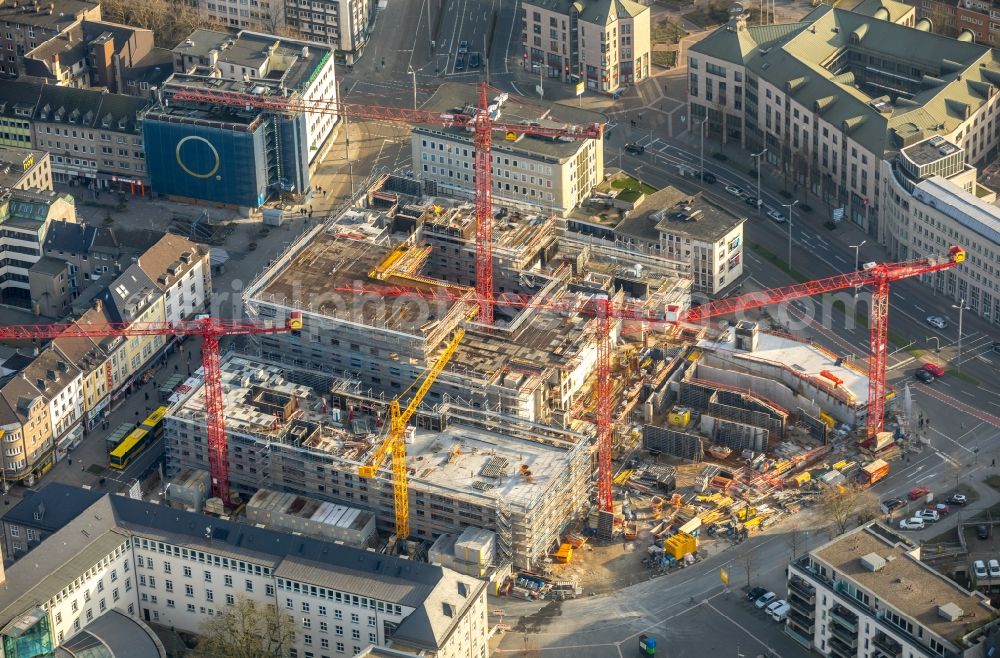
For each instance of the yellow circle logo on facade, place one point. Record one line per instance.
(189, 172)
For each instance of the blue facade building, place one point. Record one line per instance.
(230, 156)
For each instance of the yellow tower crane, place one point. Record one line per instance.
(393, 441)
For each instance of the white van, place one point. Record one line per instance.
(780, 613)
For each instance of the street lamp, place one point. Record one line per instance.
(961, 307)
(937, 343)
(760, 201)
(790, 206)
(414, 74)
(703, 122)
(857, 259)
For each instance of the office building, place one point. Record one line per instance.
(25, 217)
(102, 55)
(555, 36)
(932, 200)
(139, 563)
(344, 25)
(833, 96)
(867, 593)
(30, 23)
(268, 64)
(537, 174)
(25, 169)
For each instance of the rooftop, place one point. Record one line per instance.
(930, 150)
(112, 635)
(15, 163)
(341, 256)
(904, 582)
(291, 62)
(463, 460)
(51, 15)
(805, 360)
(90, 108)
(947, 78)
(455, 97)
(964, 207)
(600, 12)
(107, 523)
(49, 266)
(51, 507)
(672, 211)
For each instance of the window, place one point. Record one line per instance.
(230, 599)
(249, 585)
(227, 580)
(187, 572)
(188, 590)
(208, 576)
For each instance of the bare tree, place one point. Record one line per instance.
(746, 561)
(248, 629)
(171, 22)
(845, 507)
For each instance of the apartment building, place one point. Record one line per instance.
(677, 226)
(264, 61)
(867, 593)
(48, 283)
(555, 36)
(17, 104)
(534, 173)
(40, 513)
(264, 15)
(29, 23)
(830, 110)
(141, 562)
(181, 271)
(90, 252)
(344, 25)
(25, 169)
(980, 18)
(103, 55)
(24, 220)
(27, 432)
(932, 201)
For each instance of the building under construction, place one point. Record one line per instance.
(307, 433)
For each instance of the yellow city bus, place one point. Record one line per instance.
(129, 448)
(154, 423)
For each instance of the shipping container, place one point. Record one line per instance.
(873, 472)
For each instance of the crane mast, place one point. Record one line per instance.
(393, 443)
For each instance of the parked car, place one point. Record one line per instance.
(983, 531)
(734, 190)
(474, 60)
(937, 321)
(765, 600)
(957, 499)
(980, 568)
(890, 505)
(774, 604)
(463, 47)
(780, 613)
(918, 492)
(755, 593)
(916, 523)
(638, 149)
(994, 567)
(460, 64)
(776, 216)
(709, 178)
(929, 515)
(940, 508)
(753, 201)
(924, 376)
(933, 368)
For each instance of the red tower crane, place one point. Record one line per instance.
(210, 330)
(878, 277)
(481, 121)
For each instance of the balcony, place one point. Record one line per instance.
(796, 601)
(803, 623)
(840, 649)
(845, 636)
(887, 645)
(803, 589)
(845, 618)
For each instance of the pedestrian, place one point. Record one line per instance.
(175, 367)
(147, 395)
(994, 462)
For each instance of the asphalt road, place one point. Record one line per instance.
(690, 613)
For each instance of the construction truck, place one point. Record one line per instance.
(647, 645)
(872, 473)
